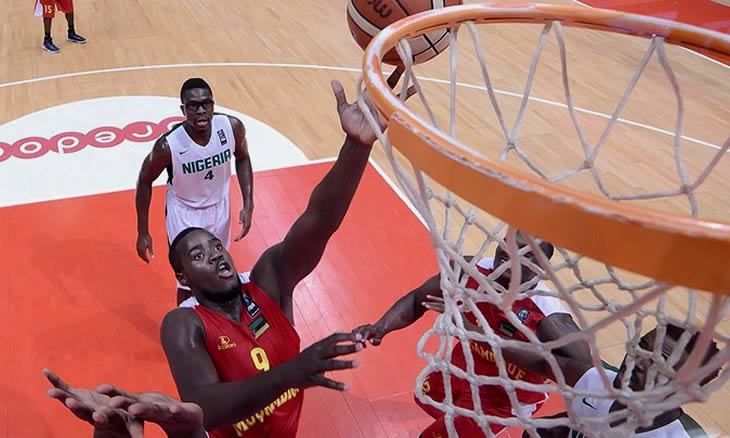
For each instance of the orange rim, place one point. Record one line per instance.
(671, 248)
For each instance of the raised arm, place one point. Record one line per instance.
(152, 166)
(407, 310)
(227, 403)
(282, 266)
(244, 174)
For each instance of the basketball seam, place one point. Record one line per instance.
(405, 11)
(362, 17)
(446, 32)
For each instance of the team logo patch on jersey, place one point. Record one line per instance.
(222, 137)
(252, 308)
(523, 314)
(258, 326)
(224, 343)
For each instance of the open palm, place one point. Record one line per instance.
(177, 419)
(92, 407)
(352, 119)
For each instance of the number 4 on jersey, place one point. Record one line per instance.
(209, 175)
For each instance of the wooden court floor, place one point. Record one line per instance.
(65, 286)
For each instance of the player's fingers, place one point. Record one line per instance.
(321, 380)
(121, 402)
(339, 95)
(55, 380)
(58, 394)
(154, 412)
(395, 76)
(333, 364)
(341, 350)
(339, 337)
(142, 253)
(78, 409)
(135, 429)
(113, 391)
(376, 341)
(100, 417)
(410, 92)
(433, 298)
(433, 306)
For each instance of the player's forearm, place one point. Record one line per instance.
(403, 313)
(410, 309)
(142, 199)
(244, 174)
(333, 195)
(230, 402)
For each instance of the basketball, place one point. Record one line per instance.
(368, 17)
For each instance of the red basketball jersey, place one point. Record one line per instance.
(530, 311)
(264, 339)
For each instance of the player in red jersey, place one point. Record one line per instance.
(542, 314)
(47, 9)
(232, 348)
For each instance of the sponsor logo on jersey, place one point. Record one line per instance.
(224, 343)
(222, 137)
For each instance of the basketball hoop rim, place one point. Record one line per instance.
(692, 252)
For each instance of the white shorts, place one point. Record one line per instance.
(216, 219)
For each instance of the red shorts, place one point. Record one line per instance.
(433, 386)
(47, 8)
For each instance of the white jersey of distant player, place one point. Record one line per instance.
(599, 407)
(201, 174)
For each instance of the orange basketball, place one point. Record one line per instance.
(367, 17)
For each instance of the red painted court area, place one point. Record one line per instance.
(78, 300)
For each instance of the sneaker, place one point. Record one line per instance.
(75, 38)
(49, 46)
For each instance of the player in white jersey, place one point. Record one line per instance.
(197, 155)
(584, 377)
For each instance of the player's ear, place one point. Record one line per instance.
(182, 279)
(182, 109)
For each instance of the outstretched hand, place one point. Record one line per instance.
(353, 120)
(370, 332)
(91, 406)
(177, 419)
(311, 364)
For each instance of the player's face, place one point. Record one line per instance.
(638, 379)
(198, 108)
(501, 256)
(207, 265)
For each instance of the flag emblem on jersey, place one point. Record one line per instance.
(222, 137)
(251, 307)
(224, 343)
(523, 314)
(258, 326)
(507, 329)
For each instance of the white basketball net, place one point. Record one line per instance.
(604, 301)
